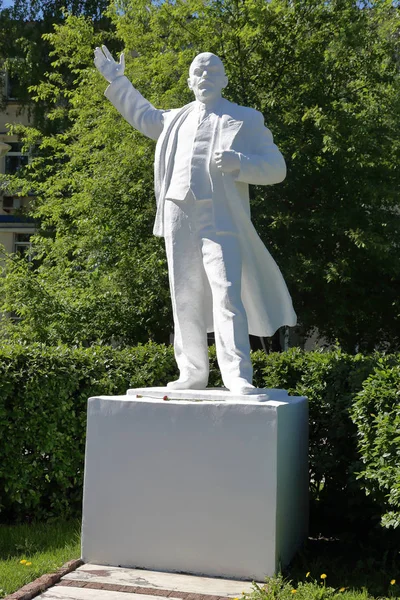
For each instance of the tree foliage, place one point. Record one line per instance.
(97, 273)
(24, 49)
(376, 413)
(326, 77)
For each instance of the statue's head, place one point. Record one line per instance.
(207, 77)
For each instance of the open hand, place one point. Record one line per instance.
(107, 66)
(227, 161)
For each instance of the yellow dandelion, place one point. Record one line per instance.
(393, 581)
(22, 562)
(308, 574)
(28, 564)
(294, 591)
(324, 576)
(342, 590)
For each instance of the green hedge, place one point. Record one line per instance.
(330, 380)
(376, 413)
(43, 395)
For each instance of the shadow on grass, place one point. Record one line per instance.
(37, 537)
(368, 561)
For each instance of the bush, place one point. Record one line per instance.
(376, 413)
(329, 380)
(43, 396)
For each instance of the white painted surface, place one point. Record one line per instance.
(222, 277)
(195, 487)
(158, 580)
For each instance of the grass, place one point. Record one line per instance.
(352, 568)
(355, 569)
(46, 546)
(280, 589)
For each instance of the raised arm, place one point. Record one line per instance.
(127, 100)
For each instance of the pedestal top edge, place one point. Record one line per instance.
(157, 395)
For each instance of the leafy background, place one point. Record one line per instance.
(324, 74)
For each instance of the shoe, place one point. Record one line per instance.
(241, 386)
(187, 383)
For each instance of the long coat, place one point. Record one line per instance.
(265, 296)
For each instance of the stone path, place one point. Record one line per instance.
(96, 582)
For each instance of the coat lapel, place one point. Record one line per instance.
(229, 128)
(162, 163)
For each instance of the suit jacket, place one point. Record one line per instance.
(264, 293)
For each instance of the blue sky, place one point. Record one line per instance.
(6, 3)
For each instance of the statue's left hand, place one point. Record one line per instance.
(227, 161)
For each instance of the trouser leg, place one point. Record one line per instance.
(188, 286)
(223, 266)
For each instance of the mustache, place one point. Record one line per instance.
(207, 81)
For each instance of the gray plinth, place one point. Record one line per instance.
(217, 488)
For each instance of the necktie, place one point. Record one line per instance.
(202, 113)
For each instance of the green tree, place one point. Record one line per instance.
(326, 77)
(24, 48)
(97, 273)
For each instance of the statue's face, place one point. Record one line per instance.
(207, 77)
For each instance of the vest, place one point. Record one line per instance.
(192, 157)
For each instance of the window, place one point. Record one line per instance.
(22, 244)
(15, 159)
(11, 79)
(11, 204)
(11, 86)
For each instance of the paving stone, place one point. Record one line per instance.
(99, 582)
(93, 585)
(69, 566)
(195, 597)
(148, 591)
(175, 584)
(74, 593)
(32, 589)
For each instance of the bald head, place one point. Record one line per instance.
(206, 58)
(207, 77)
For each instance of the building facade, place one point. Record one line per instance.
(15, 229)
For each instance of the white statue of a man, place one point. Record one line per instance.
(222, 278)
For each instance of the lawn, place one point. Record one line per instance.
(41, 547)
(351, 569)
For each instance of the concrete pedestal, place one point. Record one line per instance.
(214, 487)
